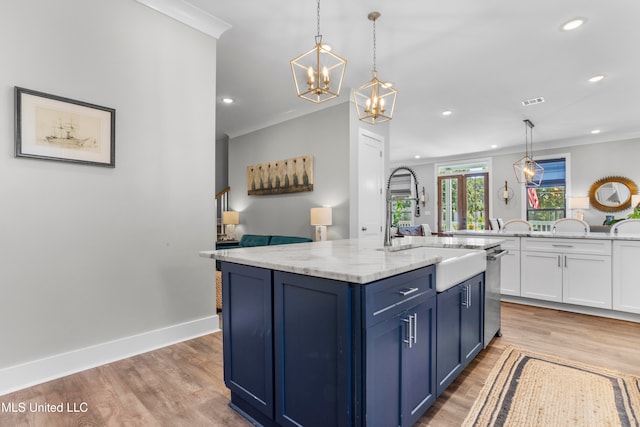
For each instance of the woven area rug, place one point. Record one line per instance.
(528, 389)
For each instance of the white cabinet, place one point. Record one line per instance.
(626, 285)
(572, 271)
(510, 267)
(541, 276)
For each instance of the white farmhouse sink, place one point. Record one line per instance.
(457, 265)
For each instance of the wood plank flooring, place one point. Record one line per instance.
(182, 385)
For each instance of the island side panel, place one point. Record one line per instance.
(247, 338)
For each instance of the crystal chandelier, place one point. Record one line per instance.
(375, 100)
(318, 73)
(527, 170)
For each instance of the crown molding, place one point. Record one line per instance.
(188, 14)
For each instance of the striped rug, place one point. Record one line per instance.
(529, 389)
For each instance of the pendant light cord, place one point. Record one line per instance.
(318, 19)
(374, 46)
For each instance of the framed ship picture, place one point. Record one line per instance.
(51, 127)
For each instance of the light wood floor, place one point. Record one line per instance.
(182, 385)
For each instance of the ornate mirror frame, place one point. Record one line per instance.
(622, 204)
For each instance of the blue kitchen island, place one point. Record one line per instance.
(346, 333)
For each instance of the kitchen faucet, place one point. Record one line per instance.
(387, 228)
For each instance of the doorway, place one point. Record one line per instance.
(462, 202)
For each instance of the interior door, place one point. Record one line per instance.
(370, 182)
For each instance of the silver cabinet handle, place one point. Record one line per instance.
(557, 245)
(415, 328)
(407, 291)
(409, 339)
(565, 261)
(466, 300)
(364, 228)
(559, 265)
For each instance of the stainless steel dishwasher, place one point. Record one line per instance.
(492, 294)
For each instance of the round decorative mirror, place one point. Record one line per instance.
(612, 194)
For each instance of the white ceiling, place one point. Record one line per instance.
(479, 59)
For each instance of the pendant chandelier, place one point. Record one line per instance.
(375, 100)
(318, 73)
(527, 170)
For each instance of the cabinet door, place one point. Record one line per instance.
(510, 273)
(247, 339)
(400, 366)
(626, 292)
(472, 334)
(418, 362)
(541, 275)
(312, 353)
(383, 354)
(449, 337)
(587, 280)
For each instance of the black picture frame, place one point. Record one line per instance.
(50, 127)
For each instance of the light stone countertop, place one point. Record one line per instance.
(350, 260)
(546, 234)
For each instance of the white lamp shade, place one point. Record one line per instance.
(321, 216)
(579, 203)
(230, 218)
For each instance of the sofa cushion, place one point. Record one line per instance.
(249, 240)
(285, 240)
(413, 230)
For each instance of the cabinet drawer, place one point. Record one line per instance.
(576, 246)
(511, 243)
(388, 297)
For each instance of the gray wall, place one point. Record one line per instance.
(324, 135)
(588, 163)
(91, 254)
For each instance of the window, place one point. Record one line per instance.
(400, 187)
(547, 203)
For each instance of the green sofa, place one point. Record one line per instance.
(249, 240)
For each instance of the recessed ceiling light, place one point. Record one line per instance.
(596, 79)
(447, 112)
(326, 47)
(417, 156)
(573, 24)
(228, 100)
(494, 146)
(595, 131)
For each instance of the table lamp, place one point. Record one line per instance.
(578, 204)
(321, 217)
(230, 219)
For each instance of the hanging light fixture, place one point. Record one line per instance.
(318, 73)
(375, 100)
(527, 170)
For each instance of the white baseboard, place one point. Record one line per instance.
(39, 371)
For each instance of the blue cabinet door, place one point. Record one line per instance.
(383, 370)
(418, 362)
(312, 337)
(472, 334)
(400, 368)
(247, 338)
(449, 337)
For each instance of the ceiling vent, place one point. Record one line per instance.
(532, 101)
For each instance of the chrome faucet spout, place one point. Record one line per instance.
(389, 201)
